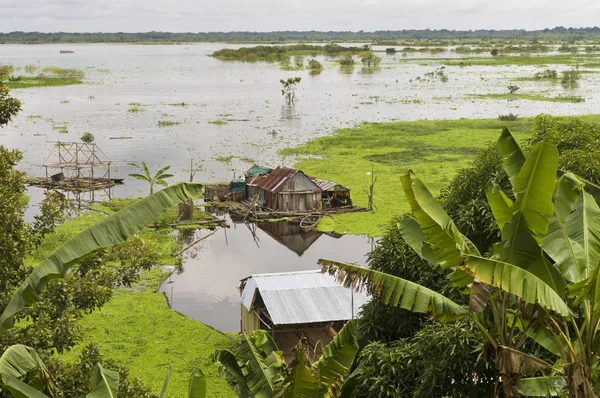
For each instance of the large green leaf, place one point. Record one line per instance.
(413, 236)
(105, 383)
(301, 381)
(583, 226)
(338, 356)
(521, 236)
(394, 291)
(109, 232)
(23, 363)
(500, 204)
(568, 255)
(254, 364)
(197, 385)
(446, 242)
(517, 281)
(513, 157)
(19, 389)
(546, 386)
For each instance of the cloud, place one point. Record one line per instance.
(268, 15)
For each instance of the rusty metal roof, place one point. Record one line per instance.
(326, 185)
(303, 297)
(275, 180)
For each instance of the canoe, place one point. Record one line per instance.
(309, 222)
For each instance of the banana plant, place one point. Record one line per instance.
(157, 179)
(21, 370)
(548, 243)
(24, 375)
(258, 370)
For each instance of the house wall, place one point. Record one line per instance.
(250, 321)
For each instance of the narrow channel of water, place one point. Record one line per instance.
(207, 290)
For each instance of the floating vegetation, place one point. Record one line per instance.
(224, 159)
(279, 53)
(34, 116)
(167, 123)
(217, 122)
(64, 101)
(178, 104)
(529, 97)
(135, 109)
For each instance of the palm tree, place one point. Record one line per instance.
(159, 177)
(548, 256)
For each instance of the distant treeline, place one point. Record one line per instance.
(557, 33)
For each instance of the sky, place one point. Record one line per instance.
(299, 15)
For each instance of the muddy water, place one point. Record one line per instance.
(254, 125)
(207, 290)
(245, 96)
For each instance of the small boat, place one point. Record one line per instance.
(66, 52)
(309, 222)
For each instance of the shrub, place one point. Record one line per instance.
(510, 117)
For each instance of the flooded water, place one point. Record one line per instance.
(208, 291)
(244, 96)
(253, 124)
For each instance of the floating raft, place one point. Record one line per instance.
(71, 183)
(250, 210)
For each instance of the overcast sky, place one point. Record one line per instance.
(273, 15)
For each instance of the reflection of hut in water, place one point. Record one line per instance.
(290, 235)
(295, 305)
(284, 189)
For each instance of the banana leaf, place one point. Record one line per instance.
(568, 255)
(109, 232)
(197, 385)
(22, 362)
(338, 356)
(254, 364)
(301, 381)
(105, 383)
(446, 242)
(546, 386)
(513, 156)
(517, 281)
(394, 291)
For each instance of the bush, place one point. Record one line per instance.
(510, 117)
(347, 60)
(313, 64)
(390, 50)
(87, 137)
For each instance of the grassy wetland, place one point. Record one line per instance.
(398, 105)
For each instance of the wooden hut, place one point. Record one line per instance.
(285, 189)
(334, 195)
(300, 304)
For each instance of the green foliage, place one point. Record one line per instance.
(9, 106)
(278, 53)
(347, 60)
(439, 360)
(369, 59)
(547, 74)
(289, 88)
(314, 65)
(157, 179)
(570, 78)
(109, 232)
(576, 141)
(87, 137)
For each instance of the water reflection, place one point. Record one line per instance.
(207, 290)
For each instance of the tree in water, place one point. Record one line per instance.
(289, 89)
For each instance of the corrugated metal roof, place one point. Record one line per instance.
(275, 180)
(303, 297)
(327, 185)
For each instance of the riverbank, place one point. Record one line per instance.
(137, 327)
(434, 150)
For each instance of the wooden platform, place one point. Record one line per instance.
(247, 209)
(69, 183)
